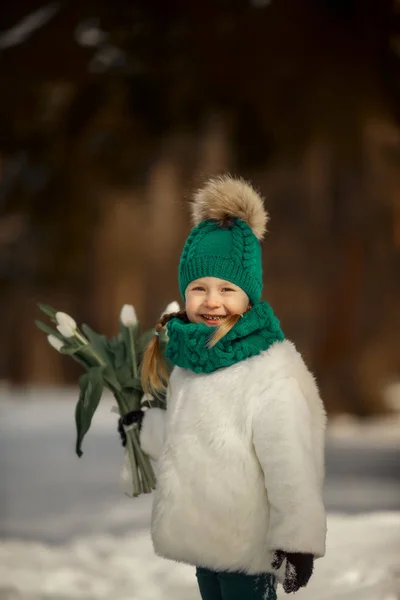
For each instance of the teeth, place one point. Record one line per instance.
(213, 318)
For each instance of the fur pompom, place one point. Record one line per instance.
(225, 197)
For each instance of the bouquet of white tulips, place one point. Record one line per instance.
(114, 364)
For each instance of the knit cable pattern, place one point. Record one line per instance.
(208, 252)
(256, 331)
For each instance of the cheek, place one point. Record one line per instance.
(191, 305)
(192, 308)
(238, 305)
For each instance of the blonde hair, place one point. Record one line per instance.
(223, 329)
(154, 374)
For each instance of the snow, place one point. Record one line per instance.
(68, 533)
(362, 562)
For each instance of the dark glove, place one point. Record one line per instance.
(135, 416)
(299, 568)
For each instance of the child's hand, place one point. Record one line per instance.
(135, 416)
(299, 568)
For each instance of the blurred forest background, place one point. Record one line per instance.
(111, 113)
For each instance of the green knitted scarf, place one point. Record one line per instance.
(254, 332)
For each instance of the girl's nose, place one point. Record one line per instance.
(213, 301)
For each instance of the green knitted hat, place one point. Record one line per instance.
(229, 222)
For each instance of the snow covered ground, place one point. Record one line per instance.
(68, 533)
(362, 563)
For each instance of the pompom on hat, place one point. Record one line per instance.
(229, 221)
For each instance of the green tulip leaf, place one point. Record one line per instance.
(123, 374)
(120, 355)
(111, 380)
(71, 347)
(99, 343)
(91, 389)
(134, 383)
(49, 330)
(49, 311)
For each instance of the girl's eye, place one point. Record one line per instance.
(198, 288)
(226, 289)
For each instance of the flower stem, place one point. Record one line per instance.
(143, 461)
(87, 349)
(136, 483)
(133, 351)
(146, 487)
(123, 407)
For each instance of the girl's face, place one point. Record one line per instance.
(209, 300)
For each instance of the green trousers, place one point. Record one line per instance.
(220, 585)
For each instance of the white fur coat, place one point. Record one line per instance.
(240, 464)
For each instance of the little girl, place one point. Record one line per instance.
(240, 448)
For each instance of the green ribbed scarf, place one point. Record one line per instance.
(254, 332)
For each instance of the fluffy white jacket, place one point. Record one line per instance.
(240, 464)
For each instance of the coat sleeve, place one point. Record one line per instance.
(152, 434)
(288, 441)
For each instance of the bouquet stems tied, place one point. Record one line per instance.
(112, 363)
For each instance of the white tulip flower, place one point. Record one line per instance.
(63, 319)
(55, 342)
(172, 307)
(66, 331)
(128, 315)
(66, 324)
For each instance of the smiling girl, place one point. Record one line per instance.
(240, 448)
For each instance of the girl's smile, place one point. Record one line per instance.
(212, 319)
